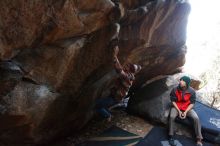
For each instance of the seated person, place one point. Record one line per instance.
(183, 98)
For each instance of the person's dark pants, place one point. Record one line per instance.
(103, 104)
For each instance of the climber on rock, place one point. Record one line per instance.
(125, 78)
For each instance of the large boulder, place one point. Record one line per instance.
(56, 60)
(152, 101)
(62, 70)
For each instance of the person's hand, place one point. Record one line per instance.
(180, 114)
(116, 50)
(184, 115)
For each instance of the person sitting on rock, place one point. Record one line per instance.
(125, 78)
(183, 98)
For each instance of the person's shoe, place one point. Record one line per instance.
(172, 141)
(199, 143)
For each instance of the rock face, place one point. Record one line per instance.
(153, 100)
(28, 24)
(55, 58)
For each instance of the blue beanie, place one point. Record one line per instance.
(186, 79)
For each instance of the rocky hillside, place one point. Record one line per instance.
(55, 58)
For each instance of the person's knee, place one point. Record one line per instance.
(172, 117)
(196, 119)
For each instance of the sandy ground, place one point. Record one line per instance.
(97, 125)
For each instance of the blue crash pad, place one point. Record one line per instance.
(210, 122)
(158, 137)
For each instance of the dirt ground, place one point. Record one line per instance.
(97, 125)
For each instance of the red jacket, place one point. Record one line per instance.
(183, 98)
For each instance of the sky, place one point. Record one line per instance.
(203, 35)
